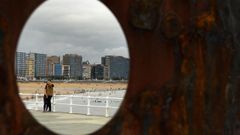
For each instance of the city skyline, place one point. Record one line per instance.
(82, 27)
(61, 56)
(38, 66)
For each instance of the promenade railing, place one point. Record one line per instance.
(36, 101)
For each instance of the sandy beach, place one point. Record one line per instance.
(70, 87)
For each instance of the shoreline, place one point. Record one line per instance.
(67, 88)
(70, 87)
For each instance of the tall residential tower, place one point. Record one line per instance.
(75, 63)
(116, 67)
(40, 65)
(21, 64)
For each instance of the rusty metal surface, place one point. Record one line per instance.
(185, 68)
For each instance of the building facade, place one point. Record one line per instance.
(30, 62)
(20, 64)
(97, 72)
(50, 66)
(66, 71)
(75, 62)
(106, 62)
(57, 69)
(40, 65)
(116, 67)
(86, 70)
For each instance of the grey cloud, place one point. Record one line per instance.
(85, 27)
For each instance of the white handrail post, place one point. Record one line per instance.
(54, 102)
(88, 105)
(107, 107)
(71, 102)
(36, 101)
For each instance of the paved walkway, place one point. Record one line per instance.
(70, 124)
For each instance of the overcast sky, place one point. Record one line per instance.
(84, 27)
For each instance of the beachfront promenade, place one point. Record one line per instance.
(83, 104)
(75, 114)
(70, 124)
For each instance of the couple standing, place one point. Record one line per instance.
(48, 93)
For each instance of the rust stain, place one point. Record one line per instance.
(144, 13)
(205, 21)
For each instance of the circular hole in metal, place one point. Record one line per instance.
(80, 47)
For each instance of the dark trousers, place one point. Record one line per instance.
(47, 103)
(45, 107)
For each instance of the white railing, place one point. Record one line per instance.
(34, 100)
